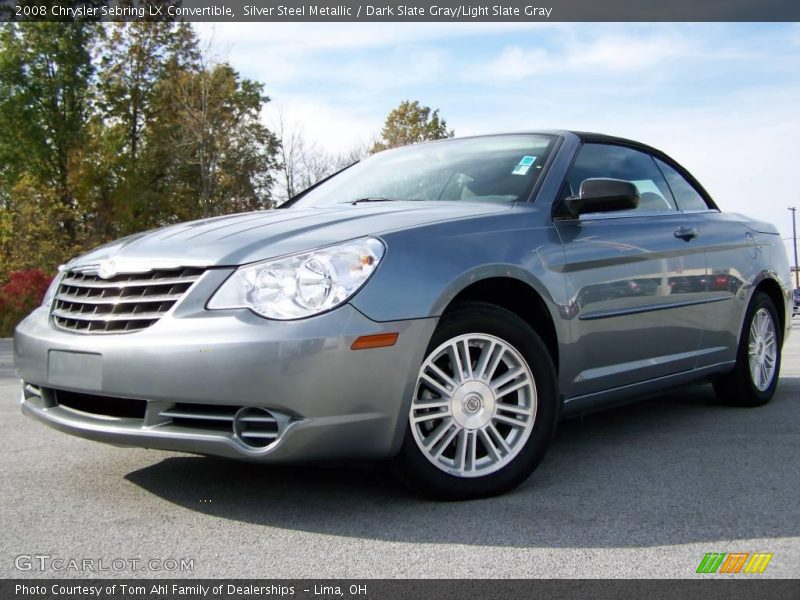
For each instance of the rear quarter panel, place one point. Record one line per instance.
(740, 254)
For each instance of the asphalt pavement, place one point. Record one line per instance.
(640, 491)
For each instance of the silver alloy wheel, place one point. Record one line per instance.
(762, 349)
(474, 405)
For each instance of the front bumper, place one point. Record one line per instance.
(331, 401)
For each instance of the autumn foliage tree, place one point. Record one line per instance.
(222, 141)
(112, 129)
(108, 130)
(45, 88)
(137, 61)
(411, 123)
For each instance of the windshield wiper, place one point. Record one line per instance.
(374, 199)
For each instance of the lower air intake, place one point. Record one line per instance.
(102, 406)
(255, 427)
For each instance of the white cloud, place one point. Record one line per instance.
(514, 63)
(401, 69)
(603, 55)
(620, 53)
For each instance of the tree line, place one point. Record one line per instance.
(113, 129)
(107, 130)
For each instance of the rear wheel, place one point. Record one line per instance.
(758, 360)
(484, 406)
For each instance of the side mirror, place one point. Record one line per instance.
(601, 195)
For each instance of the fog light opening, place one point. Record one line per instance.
(255, 427)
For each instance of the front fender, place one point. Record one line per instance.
(425, 268)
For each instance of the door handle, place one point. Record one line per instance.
(686, 233)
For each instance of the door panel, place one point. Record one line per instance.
(731, 252)
(637, 298)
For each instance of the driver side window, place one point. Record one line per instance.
(619, 162)
(687, 197)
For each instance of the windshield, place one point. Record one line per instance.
(501, 168)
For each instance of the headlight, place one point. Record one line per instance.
(301, 285)
(53, 287)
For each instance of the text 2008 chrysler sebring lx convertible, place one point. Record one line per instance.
(442, 305)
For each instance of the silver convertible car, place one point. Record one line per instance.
(442, 305)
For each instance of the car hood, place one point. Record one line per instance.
(248, 237)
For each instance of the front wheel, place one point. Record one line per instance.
(484, 406)
(758, 360)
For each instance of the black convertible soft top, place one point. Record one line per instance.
(602, 138)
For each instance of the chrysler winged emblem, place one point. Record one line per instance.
(107, 269)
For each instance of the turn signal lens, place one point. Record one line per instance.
(379, 340)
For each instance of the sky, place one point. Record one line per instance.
(722, 99)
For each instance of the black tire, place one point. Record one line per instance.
(737, 387)
(478, 317)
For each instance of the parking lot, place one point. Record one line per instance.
(640, 491)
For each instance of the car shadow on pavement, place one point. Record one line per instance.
(674, 469)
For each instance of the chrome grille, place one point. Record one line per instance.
(87, 303)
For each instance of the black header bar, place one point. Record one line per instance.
(742, 588)
(403, 10)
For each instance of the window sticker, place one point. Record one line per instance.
(524, 165)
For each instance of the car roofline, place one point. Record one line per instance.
(550, 132)
(583, 136)
(587, 137)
